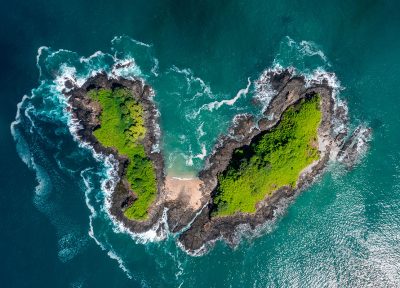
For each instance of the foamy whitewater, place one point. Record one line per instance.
(204, 115)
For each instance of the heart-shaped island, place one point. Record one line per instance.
(254, 169)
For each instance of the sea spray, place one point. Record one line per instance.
(78, 69)
(93, 214)
(215, 105)
(70, 241)
(109, 183)
(55, 106)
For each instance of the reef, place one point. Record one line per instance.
(240, 188)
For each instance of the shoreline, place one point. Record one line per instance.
(86, 113)
(290, 89)
(184, 202)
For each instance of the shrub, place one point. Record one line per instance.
(273, 159)
(123, 127)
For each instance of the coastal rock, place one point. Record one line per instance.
(289, 90)
(188, 205)
(87, 112)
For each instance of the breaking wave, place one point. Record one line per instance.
(202, 114)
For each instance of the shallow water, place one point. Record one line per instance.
(343, 231)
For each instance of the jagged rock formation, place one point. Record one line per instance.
(189, 207)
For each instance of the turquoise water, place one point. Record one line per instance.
(343, 231)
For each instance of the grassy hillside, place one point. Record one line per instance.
(273, 159)
(122, 127)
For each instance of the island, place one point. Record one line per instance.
(256, 167)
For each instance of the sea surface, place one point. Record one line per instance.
(202, 59)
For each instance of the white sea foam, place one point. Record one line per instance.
(360, 138)
(128, 68)
(189, 158)
(191, 80)
(93, 213)
(119, 38)
(121, 263)
(320, 76)
(38, 56)
(264, 91)
(203, 153)
(309, 48)
(303, 49)
(158, 232)
(91, 57)
(183, 178)
(339, 123)
(67, 73)
(22, 146)
(155, 148)
(202, 250)
(263, 88)
(217, 104)
(189, 224)
(125, 68)
(70, 243)
(155, 68)
(200, 131)
(28, 116)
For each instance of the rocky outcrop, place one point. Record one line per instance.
(196, 228)
(87, 112)
(332, 144)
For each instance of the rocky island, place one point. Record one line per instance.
(254, 168)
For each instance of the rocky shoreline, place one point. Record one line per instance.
(86, 112)
(195, 226)
(334, 143)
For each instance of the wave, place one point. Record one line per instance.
(309, 48)
(54, 107)
(57, 67)
(189, 158)
(263, 88)
(126, 68)
(159, 231)
(304, 55)
(141, 54)
(215, 105)
(70, 241)
(121, 264)
(200, 131)
(38, 57)
(195, 86)
(93, 214)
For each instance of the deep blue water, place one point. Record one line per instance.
(342, 232)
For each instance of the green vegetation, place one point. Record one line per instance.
(273, 159)
(122, 127)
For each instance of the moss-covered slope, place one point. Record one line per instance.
(273, 159)
(122, 127)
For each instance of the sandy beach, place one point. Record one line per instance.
(187, 189)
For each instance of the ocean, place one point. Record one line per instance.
(202, 60)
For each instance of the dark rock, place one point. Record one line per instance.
(289, 91)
